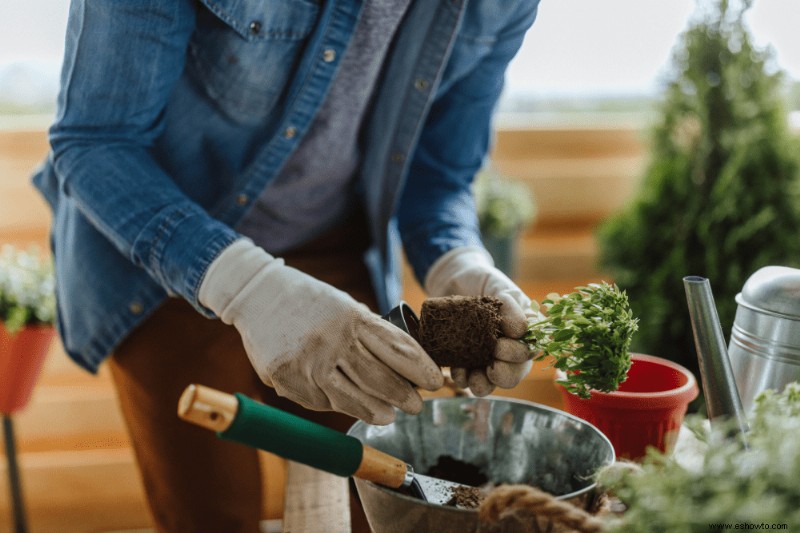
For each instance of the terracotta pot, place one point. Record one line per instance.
(21, 358)
(647, 410)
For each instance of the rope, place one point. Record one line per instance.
(509, 498)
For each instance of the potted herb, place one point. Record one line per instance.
(505, 207)
(27, 315)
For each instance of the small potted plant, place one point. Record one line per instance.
(27, 315)
(505, 207)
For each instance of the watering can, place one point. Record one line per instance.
(764, 349)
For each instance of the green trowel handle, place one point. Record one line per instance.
(294, 438)
(246, 421)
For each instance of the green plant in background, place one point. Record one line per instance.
(504, 206)
(728, 483)
(587, 333)
(27, 294)
(720, 197)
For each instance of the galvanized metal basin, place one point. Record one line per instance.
(512, 441)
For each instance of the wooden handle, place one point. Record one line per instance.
(382, 468)
(207, 407)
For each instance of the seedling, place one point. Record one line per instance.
(588, 335)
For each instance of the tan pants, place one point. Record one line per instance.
(194, 481)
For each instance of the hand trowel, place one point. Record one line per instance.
(246, 421)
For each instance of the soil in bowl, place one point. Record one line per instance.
(458, 471)
(460, 331)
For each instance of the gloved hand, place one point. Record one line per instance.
(313, 343)
(470, 271)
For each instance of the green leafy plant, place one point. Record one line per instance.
(27, 283)
(729, 483)
(588, 335)
(720, 198)
(504, 206)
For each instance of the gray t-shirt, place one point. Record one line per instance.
(315, 188)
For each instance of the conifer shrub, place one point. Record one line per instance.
(720, 196)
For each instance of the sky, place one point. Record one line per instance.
(576, 47)
(624, 46)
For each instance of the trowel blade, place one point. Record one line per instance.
(436, 490)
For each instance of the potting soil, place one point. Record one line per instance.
(460, 331)
(475, 482)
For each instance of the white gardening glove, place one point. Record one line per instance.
(313, 343)
(470, 271)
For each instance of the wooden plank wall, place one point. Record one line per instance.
(24, 216)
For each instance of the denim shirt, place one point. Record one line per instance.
(173, 117)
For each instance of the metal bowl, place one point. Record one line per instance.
(512, 441)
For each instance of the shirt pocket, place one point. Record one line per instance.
(243, 52)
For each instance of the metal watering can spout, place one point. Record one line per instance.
(721, 395)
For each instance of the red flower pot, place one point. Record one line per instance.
(647, 410)
(21, 358)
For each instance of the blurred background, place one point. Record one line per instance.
(574, 149)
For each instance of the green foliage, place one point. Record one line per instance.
(793, 97)
(729, 483)
(720, 198)
(588, 335)
(504, 206)
(27, 294)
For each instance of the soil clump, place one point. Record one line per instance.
(460, 331)
(475, 482)
(466, 497)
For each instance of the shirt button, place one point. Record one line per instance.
(241, 199)
(421, 84)
(255, 27)
(329, 55)
(290, 132)
(135, 308)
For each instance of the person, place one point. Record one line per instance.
(230, 181)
